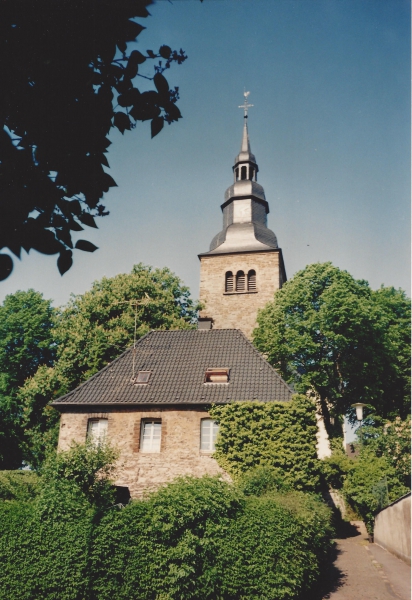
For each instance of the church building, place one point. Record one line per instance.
(152, 402)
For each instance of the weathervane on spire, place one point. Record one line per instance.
(246, 104)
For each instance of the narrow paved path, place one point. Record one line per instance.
(363, 571)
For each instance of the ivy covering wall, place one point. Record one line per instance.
(280, 435)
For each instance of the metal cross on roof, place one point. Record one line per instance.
(246, 104)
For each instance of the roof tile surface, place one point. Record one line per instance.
(178, 361)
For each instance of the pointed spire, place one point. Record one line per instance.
(245, 207)
(245, 155)
(245, 139)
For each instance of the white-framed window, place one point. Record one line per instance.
(150, 436)
(208, 434)
(97, 430)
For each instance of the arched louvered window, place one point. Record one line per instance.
(229, 281)
(251, 173)
(243, 172)
(251, 281)
(237, 174)
(240, 281)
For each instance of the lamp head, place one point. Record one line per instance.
(359, 410)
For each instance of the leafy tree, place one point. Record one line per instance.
(395, 317)
(91, 331)
(26, 343)
(332, 336)
(68, 76)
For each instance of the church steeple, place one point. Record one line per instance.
(245, 207)
(244, 266)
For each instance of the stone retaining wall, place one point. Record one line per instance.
(392, 529)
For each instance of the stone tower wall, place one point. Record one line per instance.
(238, 310)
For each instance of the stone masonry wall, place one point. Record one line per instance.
(238, 310)
(180, 443)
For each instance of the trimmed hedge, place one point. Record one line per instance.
(18, 485)
(192, 539)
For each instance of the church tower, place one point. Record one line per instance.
(244, 265)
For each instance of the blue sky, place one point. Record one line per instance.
(330, 128)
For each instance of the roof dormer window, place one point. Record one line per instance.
(217, 376)
(142, 377)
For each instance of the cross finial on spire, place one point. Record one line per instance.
(246, 104)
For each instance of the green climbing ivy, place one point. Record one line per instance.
(280, 435)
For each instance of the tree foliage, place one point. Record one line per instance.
(391, 439)
(26, 343)
(68, 76)
(278, 435)
(332, 336)
(91, 331)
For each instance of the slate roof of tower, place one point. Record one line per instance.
(178, 361)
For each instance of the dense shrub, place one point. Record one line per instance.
(203, 538)
(380, 473)
(168, 545)
(18, 485)
(260, 480)
(335, 469)
(280, 435)
(276, 547)
(371, 484)
(194, 538)
(45, 543)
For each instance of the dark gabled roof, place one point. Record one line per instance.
(178, 361)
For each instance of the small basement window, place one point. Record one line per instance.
(142, 377)
(217, 376)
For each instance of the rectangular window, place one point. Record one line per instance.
(97, 430)
(150, 436)
(208, 434)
